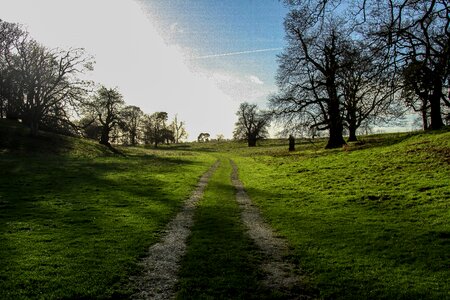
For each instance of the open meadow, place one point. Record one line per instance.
(367, 221)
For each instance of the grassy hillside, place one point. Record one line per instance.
(368, 221)
(15, 138)
(74, 218)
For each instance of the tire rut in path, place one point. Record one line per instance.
(161, 265)
(279, 274)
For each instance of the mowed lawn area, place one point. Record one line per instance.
(371, 221)
(74, 224)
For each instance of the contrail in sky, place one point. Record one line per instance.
(238, 53)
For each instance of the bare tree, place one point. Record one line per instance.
(408, 33)
(417, 33)
(48, 79)
(155, 128)
(416, 91)
(368, 89)
(131, 123)
(106, 107)
(252, 124)
(11, 95)
(308, 75)
(179, 130)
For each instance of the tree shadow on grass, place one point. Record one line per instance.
(91, 222)
(222, 262)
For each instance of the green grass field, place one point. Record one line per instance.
(369, 221)
(73, 226)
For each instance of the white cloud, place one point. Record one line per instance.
(255, 79)
(131, 55)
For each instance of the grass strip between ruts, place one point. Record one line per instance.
(222, 262)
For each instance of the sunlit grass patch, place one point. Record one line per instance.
(372, 222)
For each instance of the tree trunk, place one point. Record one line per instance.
(2, 101)
(251, 142)
(104, 139)
(424, 117)
(34, 128)
(352, 120)
(352, 136)
(435, 105)
(352, 133)
(336, 140)
(133, 139)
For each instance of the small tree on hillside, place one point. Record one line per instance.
(252, 124)
(203, 137)
(178, 129)
(155, 128)
(132, 117)
(106, 107)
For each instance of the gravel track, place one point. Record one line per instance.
(161, 265)
(279, 274)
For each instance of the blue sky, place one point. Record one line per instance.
(151, 51)
(210, 27)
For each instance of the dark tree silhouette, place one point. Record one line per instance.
(367, 87)
(308, 75)
(416, 35)
(252, 124)
(48, 79)
(203, 137)
(155, 128)
(39, 85)
(131, 123)
(106, 107)
(11, 95)
(413, 36)
(417, 88)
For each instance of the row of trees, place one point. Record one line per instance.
(42, 88)
(106, 118)
(348, 65)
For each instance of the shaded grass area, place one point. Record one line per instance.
(74, 227)
(222, 262)
(368, 222)
(15, 138)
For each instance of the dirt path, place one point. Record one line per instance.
(163, 261)
(280, 274)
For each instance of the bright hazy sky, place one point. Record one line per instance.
(196, 58)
